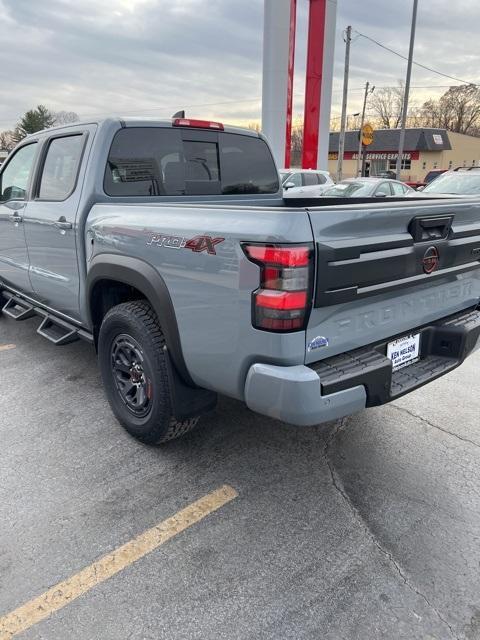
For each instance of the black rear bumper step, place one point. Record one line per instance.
(444, 345)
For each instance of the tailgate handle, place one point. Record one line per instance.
(427, 229)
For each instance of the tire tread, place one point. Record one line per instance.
(143, 312)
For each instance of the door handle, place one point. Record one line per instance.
(15, 217)
(62, 223)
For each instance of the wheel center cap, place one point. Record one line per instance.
(136, 374)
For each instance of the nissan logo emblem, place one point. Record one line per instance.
(430, 259)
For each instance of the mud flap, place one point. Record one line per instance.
(186, 401)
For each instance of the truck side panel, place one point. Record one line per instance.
(197, 251)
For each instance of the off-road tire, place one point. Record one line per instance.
(137, 320)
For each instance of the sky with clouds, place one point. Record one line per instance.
(153, 57)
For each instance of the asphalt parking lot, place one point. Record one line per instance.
(364, 529)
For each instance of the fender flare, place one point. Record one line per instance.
(142, 276)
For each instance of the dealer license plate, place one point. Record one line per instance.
(404, 351)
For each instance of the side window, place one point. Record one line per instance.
(398, 189)
(296, 179)
(60, 168)
(383, 189)
(310, 179)
(321, 178)
(14, 178)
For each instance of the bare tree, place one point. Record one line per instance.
(7, 140)
(254, 126)
(386, 104)
(65, 117)
(457, 110)
(335, 124)
(297, 143)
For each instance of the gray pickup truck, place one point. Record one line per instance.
(168, 245)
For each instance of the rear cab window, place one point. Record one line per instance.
(163, 161)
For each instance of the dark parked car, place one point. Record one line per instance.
(431, 175)
(391, 175)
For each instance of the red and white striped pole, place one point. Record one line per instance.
(278, 71)
(318, 86)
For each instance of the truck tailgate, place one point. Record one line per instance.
(385, 269)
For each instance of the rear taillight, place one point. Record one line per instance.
(282, 301)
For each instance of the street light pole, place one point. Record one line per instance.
(341, 137)
(362, 122)
(401, 143)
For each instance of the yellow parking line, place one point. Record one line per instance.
(65, 592)
(6, 347)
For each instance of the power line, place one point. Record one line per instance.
(418, 64)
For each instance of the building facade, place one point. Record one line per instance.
(424, 150)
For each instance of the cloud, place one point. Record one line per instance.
(153, 57)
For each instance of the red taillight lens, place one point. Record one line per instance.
(282, 302)
(281, 256)
(197, 124)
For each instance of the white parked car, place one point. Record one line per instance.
(304, 183)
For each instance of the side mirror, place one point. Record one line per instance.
(420, 188)
(288, 185)
(13, 193)
(380, 195)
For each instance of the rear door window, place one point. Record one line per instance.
(321, 178)
(398, 189)
(383, 189)
(60, 168)
(310, 179)
(164, 161)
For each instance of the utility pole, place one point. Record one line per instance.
(362, 122)
(341, 138)
(401, 143)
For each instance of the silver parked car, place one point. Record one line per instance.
(369, 188)
(457, 182)
(304, 183)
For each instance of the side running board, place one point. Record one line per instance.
(18, 309)
(55, 329)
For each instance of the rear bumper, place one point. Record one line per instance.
(341, 385)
